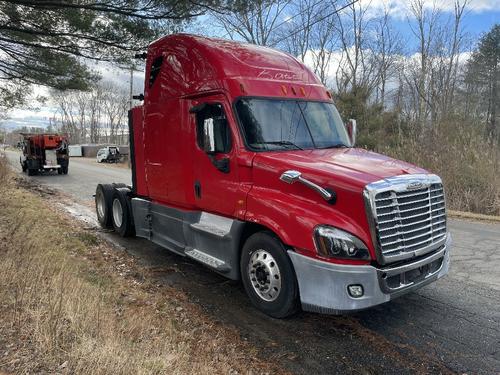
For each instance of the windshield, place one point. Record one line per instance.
(276, 124)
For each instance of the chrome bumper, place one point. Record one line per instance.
(323, 285)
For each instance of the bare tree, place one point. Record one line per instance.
(96, 115)
(356, 67)
(387, 50)
(68, 114)
(309, 35)
(114, 110)
(256, 22)
(424, 29)
(452, 44)
(440, 42)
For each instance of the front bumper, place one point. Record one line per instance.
(323, 286)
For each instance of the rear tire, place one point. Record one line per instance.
(122, 213)
(59, 171)
(103, 198)
(268, 276)
(32, 172)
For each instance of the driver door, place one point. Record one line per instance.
(215, 178)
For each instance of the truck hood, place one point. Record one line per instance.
(349, 168)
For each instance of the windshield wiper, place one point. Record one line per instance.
(282, 143)
(336, 145)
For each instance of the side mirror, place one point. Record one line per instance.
(216, 137)
(290, 176)
(351, 130)
(208, 136)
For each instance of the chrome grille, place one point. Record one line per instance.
(409, 220)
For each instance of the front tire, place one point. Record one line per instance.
(268, 276)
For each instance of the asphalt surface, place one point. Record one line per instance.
(450, 326)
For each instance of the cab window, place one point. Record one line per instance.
(212, 129)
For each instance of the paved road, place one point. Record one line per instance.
(452, 325)
(83, 176)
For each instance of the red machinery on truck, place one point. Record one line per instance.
(241, 161)
(44, 152)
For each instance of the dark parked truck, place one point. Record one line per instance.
(44, 152)
(241, 161)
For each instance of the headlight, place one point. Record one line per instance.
(335, 243)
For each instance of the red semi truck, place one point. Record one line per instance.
(44, 152)
(241, 161)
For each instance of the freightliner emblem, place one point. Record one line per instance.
(415, 185)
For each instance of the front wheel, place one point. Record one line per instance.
(268, 276)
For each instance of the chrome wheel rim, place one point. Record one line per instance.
(117, 213)
(264, 275)
(100, 204)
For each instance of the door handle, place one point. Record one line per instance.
(197, 189)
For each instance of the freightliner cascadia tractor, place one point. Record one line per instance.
(241, 161)
(44, 152)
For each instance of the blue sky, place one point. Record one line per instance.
(481, 22)
(474, 24)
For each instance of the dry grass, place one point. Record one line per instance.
(468, 164)
(472, 216)
(69, 304)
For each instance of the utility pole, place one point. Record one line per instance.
(131, 86)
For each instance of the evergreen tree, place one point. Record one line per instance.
(483, 76)
(47, 41)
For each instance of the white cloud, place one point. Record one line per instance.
(400, 8)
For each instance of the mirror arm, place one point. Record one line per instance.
(291, 176)
(353, 131)
(221, 164)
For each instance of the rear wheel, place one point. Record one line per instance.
(32, 172)
(103, 198)
(122, 213)
(59, 171)
(268, 276)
